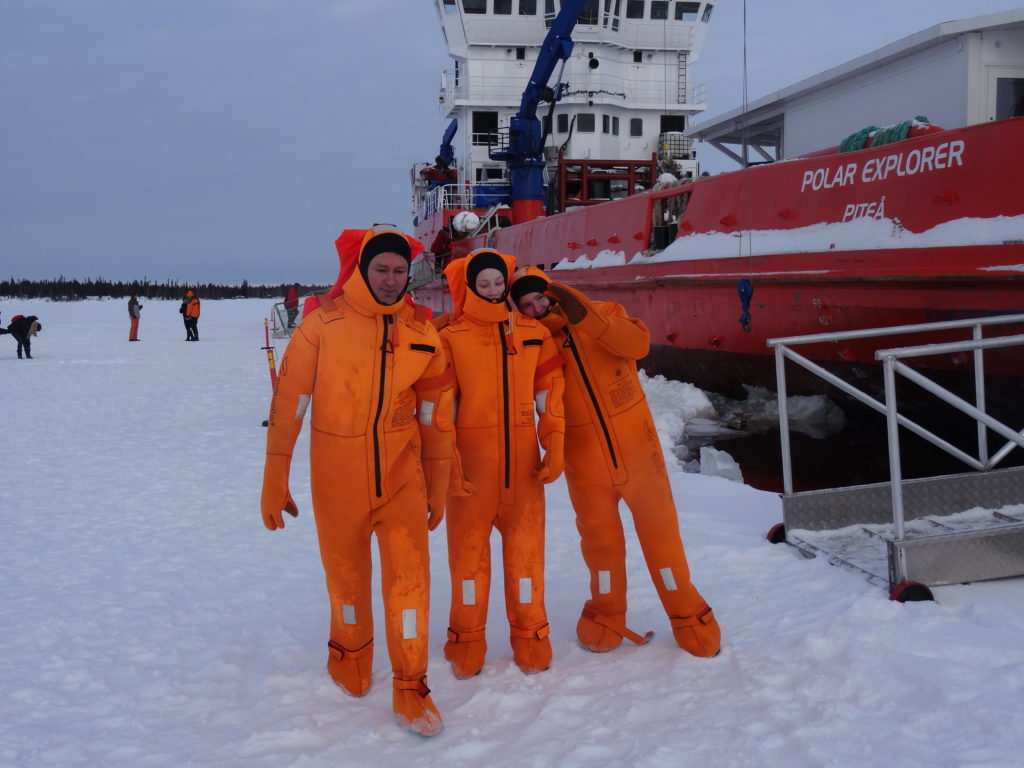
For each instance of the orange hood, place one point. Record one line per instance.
(351, 245)
(467, 301)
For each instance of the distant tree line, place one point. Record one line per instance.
(63, 289)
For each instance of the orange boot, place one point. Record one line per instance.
(466, 650)
(699, 633)
(352, 671)
(414, 709)
(531, 648)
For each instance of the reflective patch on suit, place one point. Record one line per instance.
(468, 592)
(348, 614)
(408, 623)
(426, 413)
(526, 590)
(541, 399)
(604, 582)
(668, 579)
(300, 410)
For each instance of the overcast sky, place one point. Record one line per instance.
(222, 140)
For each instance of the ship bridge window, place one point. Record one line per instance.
(659, 9)
(611, 15)
(605, 124)
(687, 11)
(638, 57)
(589, 12)
(474, 6)
(503, 7)
(707, 13)
(585, 122)
(636, 126)
(634, 9)
(615, 126)
(527, 7)
(562, 122)
(673, 123)
(485, 128)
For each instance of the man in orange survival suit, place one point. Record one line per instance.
(380, 449)
(503, 369)
(611, 453)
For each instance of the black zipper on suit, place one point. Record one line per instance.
(593, 397)
(380, 407)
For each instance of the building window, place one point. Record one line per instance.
(615, 126)
(1009, 97)
(605, 124)
(485, 128)
(707, 13)
(527, 7)
(687, 11)
(634, 9)
(659, 9)
(503, 7)
(562, 122)
(585, 122)
(636, 126)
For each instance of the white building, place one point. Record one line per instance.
(957, 73)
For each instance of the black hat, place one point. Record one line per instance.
(527, 284)
(484, 260)
(385, 242)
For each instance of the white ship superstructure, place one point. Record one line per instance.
(628, 93)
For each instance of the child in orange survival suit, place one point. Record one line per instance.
(503, 367)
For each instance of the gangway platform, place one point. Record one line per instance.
(909, 535)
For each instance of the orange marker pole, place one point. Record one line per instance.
(270, 354)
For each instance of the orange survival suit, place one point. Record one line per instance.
(506, 367)
(380, 446)
(612, 452)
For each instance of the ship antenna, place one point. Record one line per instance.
(745, 286)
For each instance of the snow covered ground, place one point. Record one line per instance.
(148, 618)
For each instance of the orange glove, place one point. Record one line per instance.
(553, 463)
(276, 497)
(436, 472)
(575, 306)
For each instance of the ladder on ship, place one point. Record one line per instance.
(910, 535)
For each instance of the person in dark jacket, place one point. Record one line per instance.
(134, 313)
(23, 328)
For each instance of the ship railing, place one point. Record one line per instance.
(955, 555)
(463, 197)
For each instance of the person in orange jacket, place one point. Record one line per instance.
(190, 315)
(505, 369)
(613, 453)
(381, 442)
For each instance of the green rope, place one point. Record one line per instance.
(879, 136)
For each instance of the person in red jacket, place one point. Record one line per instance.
(291, 304)
(613, 454)
(381, 390)
(507, 370)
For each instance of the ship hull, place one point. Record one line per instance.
(829, 244)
